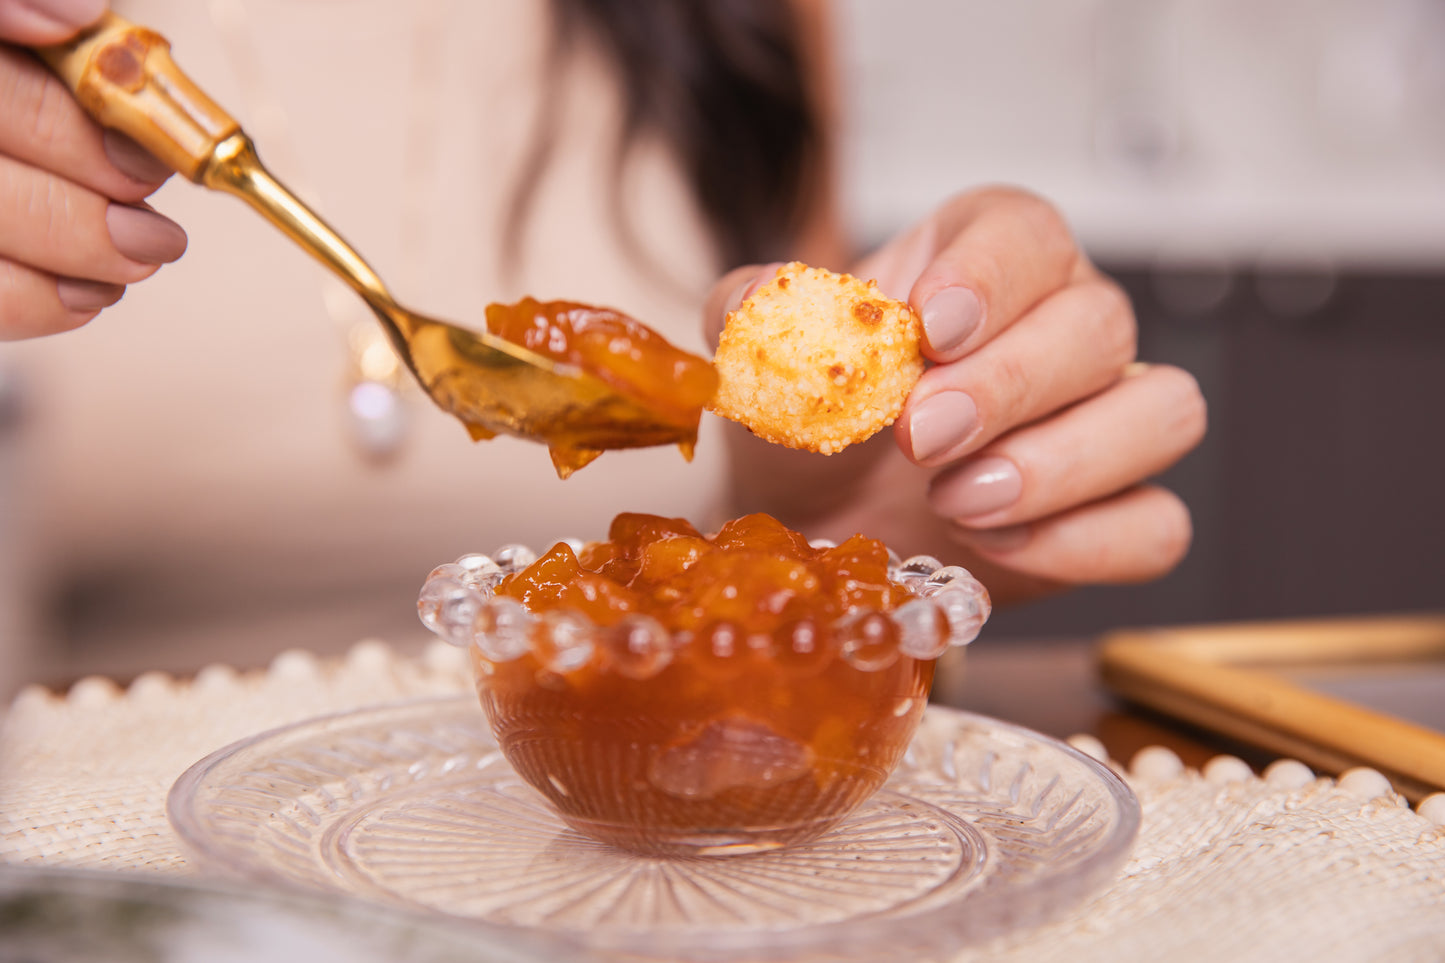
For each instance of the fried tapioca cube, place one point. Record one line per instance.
(817, 360)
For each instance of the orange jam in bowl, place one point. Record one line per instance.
(681, 694)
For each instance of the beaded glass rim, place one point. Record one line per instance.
(458, 604)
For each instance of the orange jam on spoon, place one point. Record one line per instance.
(670, 384)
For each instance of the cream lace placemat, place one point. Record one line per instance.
(1228, 865)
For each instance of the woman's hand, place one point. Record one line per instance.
(1024, 451)
(74, 228)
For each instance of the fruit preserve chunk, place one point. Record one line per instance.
(754, 573)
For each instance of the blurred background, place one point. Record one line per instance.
(1266, 177)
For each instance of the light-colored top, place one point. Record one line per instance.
(187, 453)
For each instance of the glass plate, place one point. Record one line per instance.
(985, 828)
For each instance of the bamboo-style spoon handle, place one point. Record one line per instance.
(124, 77)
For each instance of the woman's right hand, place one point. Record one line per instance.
(74, 225)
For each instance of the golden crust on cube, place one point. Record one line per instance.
(817, 360)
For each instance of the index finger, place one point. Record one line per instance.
(38, 22)
(998, 252)
(44, 126)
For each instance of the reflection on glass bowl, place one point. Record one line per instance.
(677, 694)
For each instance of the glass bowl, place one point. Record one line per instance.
(710, 740)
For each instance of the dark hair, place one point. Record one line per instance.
(723, 84)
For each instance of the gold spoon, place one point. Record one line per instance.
(123, 75)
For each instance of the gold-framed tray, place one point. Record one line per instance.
(1283, 686)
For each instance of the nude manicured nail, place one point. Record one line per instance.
(143, 235)
(748, 288)
(941, 423)
(133, 160)
(71, 13)
(981, 487)
(950, 316)
(78, 295)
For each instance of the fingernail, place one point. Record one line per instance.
(982, 486)
(143, 235)
(941, 423)
(750, 287)
(995, 541)
(133, 160)
(71, 13)
(78, 295)
(950, 316)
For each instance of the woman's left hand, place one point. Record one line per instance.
(1028, 443)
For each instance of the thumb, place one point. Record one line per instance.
(39, 22)
(730, 291)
